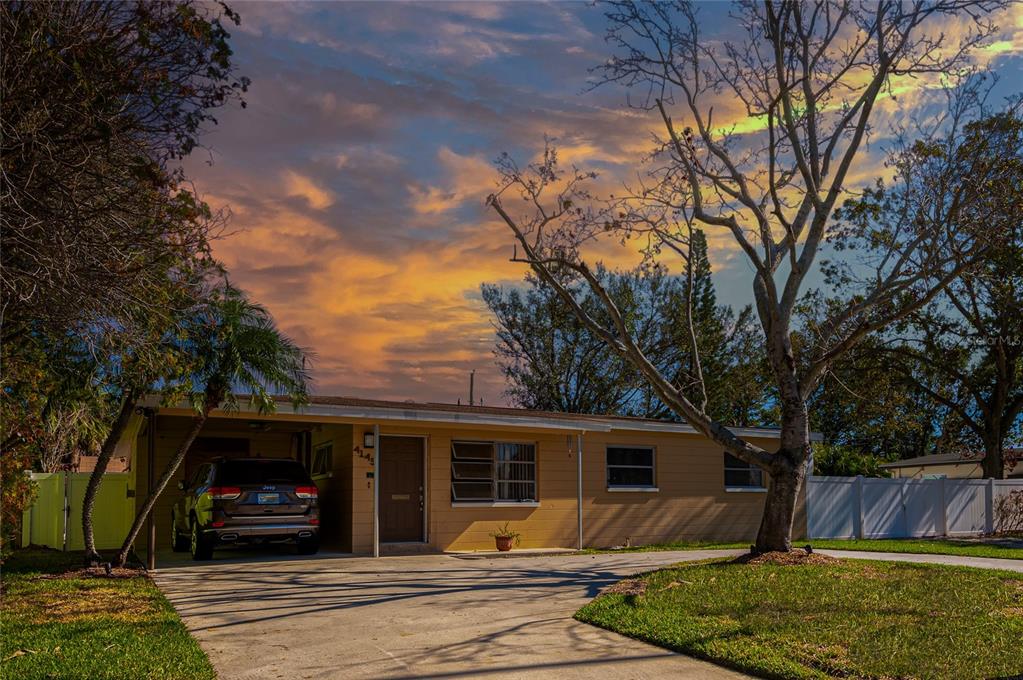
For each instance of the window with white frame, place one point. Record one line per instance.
(323, 459)
(630, 467)
(492, 471)
(742, 475)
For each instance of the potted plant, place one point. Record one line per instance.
(505, 537)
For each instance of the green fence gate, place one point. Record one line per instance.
(55, 519)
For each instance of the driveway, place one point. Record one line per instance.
(434, 616)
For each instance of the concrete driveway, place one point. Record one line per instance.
(434, 616)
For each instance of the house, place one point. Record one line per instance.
(404, 476)
(963, 465)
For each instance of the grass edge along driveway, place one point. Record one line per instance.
(853, 618)
(916, 546)
(59, 621)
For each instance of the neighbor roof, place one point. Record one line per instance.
(948, 458)
(937, 459)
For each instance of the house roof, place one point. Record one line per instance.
(947, 459)
(378, 409)
(938, 459)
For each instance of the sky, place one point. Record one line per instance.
(356, 175)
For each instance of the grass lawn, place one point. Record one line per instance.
(849, 619)
(75, 625)
(935, 546)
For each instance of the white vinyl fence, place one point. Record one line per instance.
(862, 507)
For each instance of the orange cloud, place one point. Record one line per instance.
(296, 185)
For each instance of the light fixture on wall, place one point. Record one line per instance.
(368, 441)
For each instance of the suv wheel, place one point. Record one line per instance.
(178, 542)
(308, 546)
(201, 546)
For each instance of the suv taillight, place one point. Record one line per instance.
(226, 493)
(305, 491)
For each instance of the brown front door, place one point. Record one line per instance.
(401, 489)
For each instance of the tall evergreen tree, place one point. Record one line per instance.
(552, 361)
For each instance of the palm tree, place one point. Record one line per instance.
(236, 349)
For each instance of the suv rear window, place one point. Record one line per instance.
(262, 472)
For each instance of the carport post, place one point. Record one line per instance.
(376, 491)
(579, 470)
(150, 483)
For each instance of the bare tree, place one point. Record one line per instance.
(809, 76)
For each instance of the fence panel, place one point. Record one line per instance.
(883, 513)
(43, 523)
(1002, 488)
(966, 503)
(55, 518)
(921, 499)
(855, 507)
(831, 508)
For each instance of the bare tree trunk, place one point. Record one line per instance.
(787, 473)
(172, 466)
(993, 465)
(96, 478)
(775, 532)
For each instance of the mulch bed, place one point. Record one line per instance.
(629, 586)
(795, 557)
(96, 572)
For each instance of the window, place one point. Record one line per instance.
(493, 471)
(630, 467)
(199, 476)
(323, 459)
(742, 475)
(268, 471)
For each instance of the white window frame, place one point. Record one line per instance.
(631, 488)
(312, 463)
(745, 467)
(494, 501)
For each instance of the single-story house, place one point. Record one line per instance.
(404, 476)
(963, 465)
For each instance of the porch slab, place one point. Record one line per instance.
(528, 552)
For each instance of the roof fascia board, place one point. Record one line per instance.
(312, 411)
(454, 417)
(685, 428)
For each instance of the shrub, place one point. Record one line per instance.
(1009, 513)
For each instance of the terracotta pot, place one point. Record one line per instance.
(504, 543)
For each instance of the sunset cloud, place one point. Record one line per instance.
(296, 185)
(357, 174)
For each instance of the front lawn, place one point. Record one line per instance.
(62, 622)
(1009, 549)
(850, 618)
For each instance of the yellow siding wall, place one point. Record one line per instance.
(691, 503)
(971, 470)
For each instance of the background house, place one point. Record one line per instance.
(950, 465)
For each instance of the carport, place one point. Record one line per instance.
(161, 433)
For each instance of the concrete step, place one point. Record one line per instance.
(391, 549)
